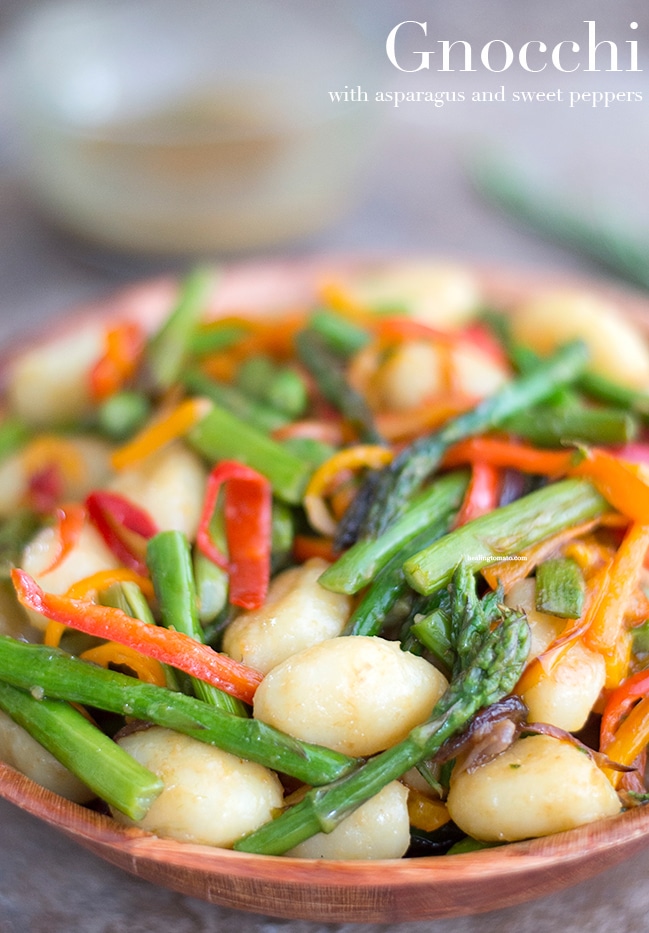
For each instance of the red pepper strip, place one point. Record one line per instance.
(45, 488)
(124, 345)
(502, 452)
(481, 337)
(69, 521)
(619, 703)
(482, 494)
(165, 645)
(112, 515)
(248, 515)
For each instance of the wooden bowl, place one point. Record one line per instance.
(339, 891)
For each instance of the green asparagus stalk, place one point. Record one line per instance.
(206, 340)
(607, 390)
(122, 414)
(243, 406)
(327, 369)
(389, 586)
(491, 675)
(169, 348)
(505, 532)
(79, 745)
(57, 675)
(169, 560)
(401, 478)
(342, 336)
(280, 387)
(222, 436)
(560, 588)
(360, 564)
(14, 434)
(576, 423)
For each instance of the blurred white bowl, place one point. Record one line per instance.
(188, 126)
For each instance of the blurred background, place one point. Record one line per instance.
(139, 136)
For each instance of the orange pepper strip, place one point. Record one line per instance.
(69, 523)
(622, 483)
(123, 348)
(146, 669)
(507, 573)
(307, 546)
(371, 456)
(165, 645)
(87, 587)
(505, 453)
(619, 703)
(175, 424)
(543, 665)
(403, 425)
(607, 632)
(630, 739)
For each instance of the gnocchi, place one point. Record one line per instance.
(357, 695)
(540, 785)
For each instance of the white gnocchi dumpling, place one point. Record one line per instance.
(87, 556)
(356, 694)
(50, 384)
(209, 796)
(169, 485)
(617, 348)
(25, 754)
(539, 786)
(443, 294)
(379, 828)
(565, 695)
(297, 613)
(415, 372)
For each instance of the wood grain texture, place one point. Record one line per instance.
(338, 891)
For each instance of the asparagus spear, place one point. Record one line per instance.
(169, 347)
(505, 532)
(169, 560)
(401, 478)
(575, 422)
(358, 566)
(57, 675)
(223, 436)
(79, 745)
(325, 366)
(248, 409)
(560, 588)
(491, 674)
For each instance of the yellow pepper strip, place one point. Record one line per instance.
(630, 739)
(323, 480)
(426, 813)
(608, 632)
(335, 296)
(95, 583)
(173, 425)
(48, 450)
(111, 653)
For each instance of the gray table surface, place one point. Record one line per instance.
(414, 197)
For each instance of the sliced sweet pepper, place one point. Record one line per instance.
(248, 530)
(165, 645)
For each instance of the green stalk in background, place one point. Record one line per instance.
(170, 347)
(60, 676)
(83, 749)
